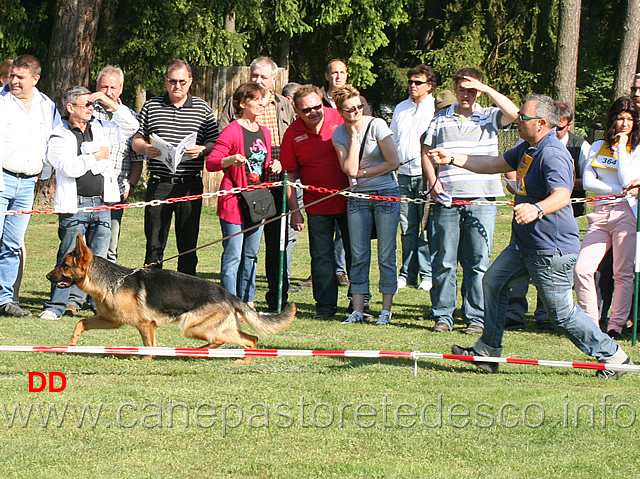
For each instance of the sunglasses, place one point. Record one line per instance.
(560, 128)
(525, 118)
(354, 109)
(174, 82)
(87, 105)
(306, 111)
(416, 82)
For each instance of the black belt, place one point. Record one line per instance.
(18, 175)
(174, 180)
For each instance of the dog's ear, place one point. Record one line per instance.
(81, 250)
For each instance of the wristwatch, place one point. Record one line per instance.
(540, 212)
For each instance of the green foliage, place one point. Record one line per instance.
(593, 96)
(24, 28)
(159, 32)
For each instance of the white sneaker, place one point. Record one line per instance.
(425, 285)
(49, 315)
(402, 282)
(384, 319)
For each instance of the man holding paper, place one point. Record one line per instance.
(177, 132)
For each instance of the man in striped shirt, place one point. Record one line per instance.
(463, 233)
(173, 117)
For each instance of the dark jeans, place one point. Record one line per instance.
(157, 221)
(323, 264)
(272, 257)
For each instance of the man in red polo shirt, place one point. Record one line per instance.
(307, 153)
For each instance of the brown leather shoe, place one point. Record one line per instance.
(342, 279)
(307, 283)
(71, 310)
(441, 327)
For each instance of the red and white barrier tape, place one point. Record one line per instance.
(233, 191)
(272, 353)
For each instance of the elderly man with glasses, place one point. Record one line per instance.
(171, 119)
(85, 177)
(307, 153)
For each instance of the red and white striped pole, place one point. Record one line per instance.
(254, 353)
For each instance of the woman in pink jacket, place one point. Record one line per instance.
(243, 151)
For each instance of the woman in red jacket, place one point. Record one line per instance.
(243, 151)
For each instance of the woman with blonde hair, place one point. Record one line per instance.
(368, 157)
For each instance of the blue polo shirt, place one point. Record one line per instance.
(539, 170)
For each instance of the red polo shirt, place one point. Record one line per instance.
(314, 158)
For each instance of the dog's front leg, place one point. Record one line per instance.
(96, 322)
(148, 332)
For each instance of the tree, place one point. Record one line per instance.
(567, 56)
(628, 58)
(72, 41)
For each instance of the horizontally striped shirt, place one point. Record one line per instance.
(160, 116)
(473, 135)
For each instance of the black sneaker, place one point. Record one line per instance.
(512, 324)
(607, 374)
(545, 325)
(13, 309)
(487, 367)
(613, 334)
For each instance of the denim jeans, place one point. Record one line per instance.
(553, 277)
(465, 234)
(323, 264)
(240, 260)
(416, 259)
(96, 228)
(518, 305)
(17, 195)
(362, 215)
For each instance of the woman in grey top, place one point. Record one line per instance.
(368, 157)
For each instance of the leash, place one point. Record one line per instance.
(275, 218)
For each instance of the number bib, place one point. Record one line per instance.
(605, 159)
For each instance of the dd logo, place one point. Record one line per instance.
(35, 377)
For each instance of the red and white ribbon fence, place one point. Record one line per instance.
(280, 353)
(234, 191)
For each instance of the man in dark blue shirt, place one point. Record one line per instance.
(545, 238)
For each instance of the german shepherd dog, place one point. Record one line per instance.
(150, 297)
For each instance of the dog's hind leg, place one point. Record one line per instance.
(248, 341)
(148, 332)
(96, 322)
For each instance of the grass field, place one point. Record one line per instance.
(303, 417)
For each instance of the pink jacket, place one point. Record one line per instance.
(231, 142)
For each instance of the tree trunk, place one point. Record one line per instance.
(71, 48)
(567, 52)
(627, 62)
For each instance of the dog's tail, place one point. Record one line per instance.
(270, 323)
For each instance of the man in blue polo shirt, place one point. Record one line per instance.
(545, 237)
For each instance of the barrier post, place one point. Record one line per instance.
(283, 238)
(637, 274)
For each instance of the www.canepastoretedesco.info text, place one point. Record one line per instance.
(382, 413)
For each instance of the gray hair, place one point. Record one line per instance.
(546, 108)
(261, 61)
(290, 88)
(71, 94)
(110, 70)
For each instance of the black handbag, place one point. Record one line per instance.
(256, 205)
